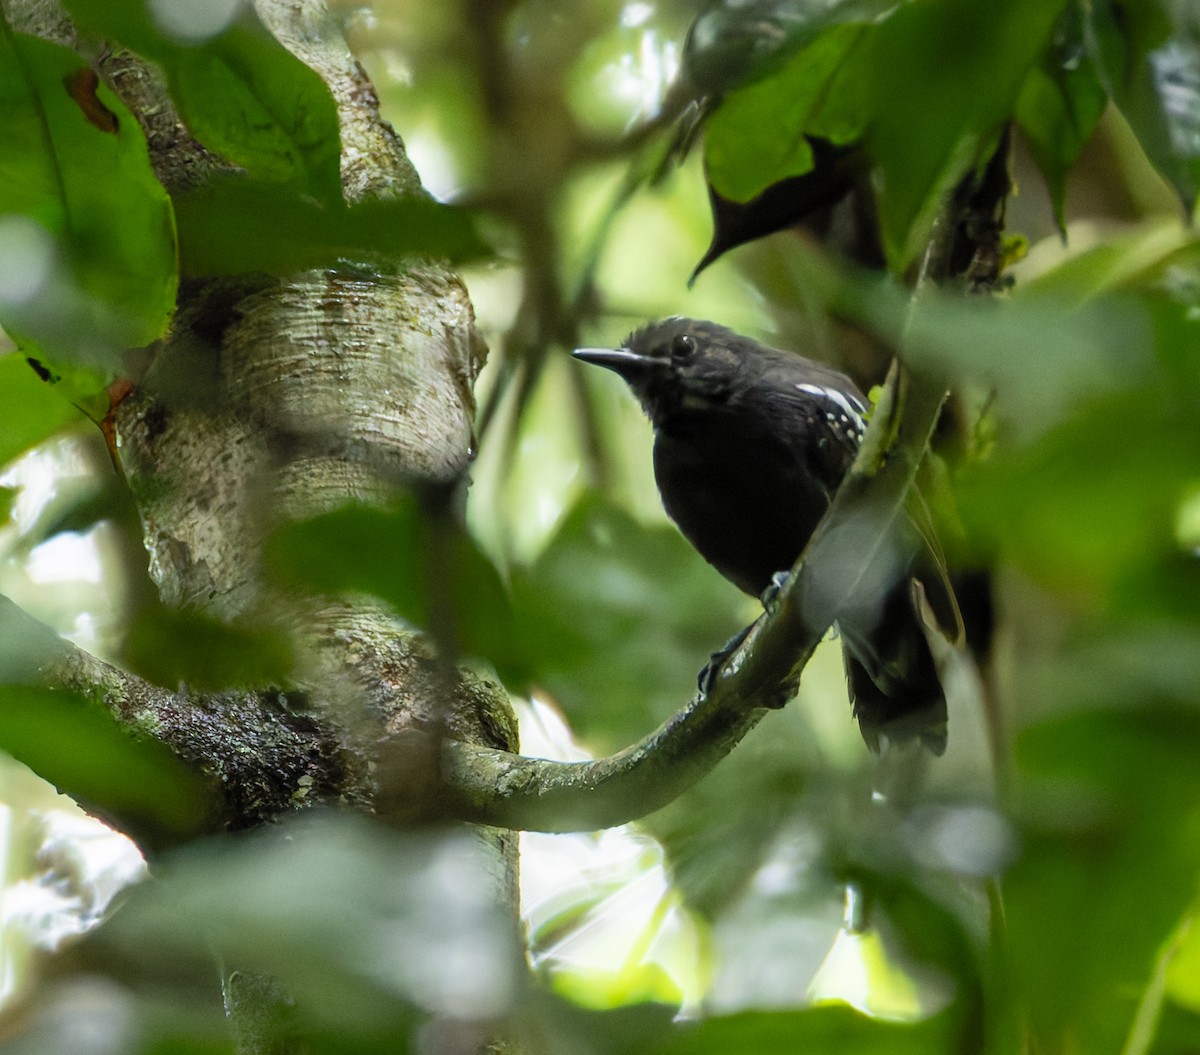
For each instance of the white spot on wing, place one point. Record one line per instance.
(848, 403)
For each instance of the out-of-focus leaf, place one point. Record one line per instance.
(1162, 106)
(235, 226)
(617, 619)
(551, 1024)
(81, 749)
(1140, 258)
(429, 570)
(241, 93)
(363, 926)
(174, 646)
(817, 1029)
(1178, 1031)
(944, 78)
(1183, 969)
(8, 499)
(30, 409)
(92, 240)
(735, 42)
(1109, 807)
(1064, 96)
(1065, 508)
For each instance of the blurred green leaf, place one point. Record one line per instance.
(1064, 96)
(233, 226)
(241, 93)
(548, 1024)
(30, 409)
(1065, 508)
(616, 619)
(171, 647)
(363, 926)
(1183, 970)
(736, 42)
(1162, 105)
(817, 1029)
(93, 232)
(1178, 1032)
(1109, 808)
(428, 569)
(944, 78)
(85, 753)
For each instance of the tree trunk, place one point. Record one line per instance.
(273, 399)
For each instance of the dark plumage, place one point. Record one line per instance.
(750, 445)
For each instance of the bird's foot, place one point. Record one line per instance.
(718, 664)
(707, 677)
(775, 587)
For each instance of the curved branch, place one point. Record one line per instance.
(261, 753)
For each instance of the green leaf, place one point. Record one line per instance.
(74, 164)
(241, 93)
(944, 78)
(428, 569)
(817, 1029)
(617, 619)
(1088, 502)
(1062, 100)
(29, 408)
(363, 925)
(84, 752)
(759, 134)
(1163, 108)
(735, 42)
(236, 226)
(1110, 807)
(171, 647)
(8, 500)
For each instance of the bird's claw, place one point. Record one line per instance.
(774, 588)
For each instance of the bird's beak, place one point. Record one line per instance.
(624, 361)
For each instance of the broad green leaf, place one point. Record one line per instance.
(235, 226)
(1110, 808)
(430, 571)
(83, 751)
(367, 928)
(1162, 106)
(172, 647)
(74, 167)
(616, 619)
(241, 93)
(818, 1029)
(735, 42)
(30, 410)
(1089, 501)
(1154, 253)
(1062, 100)
(944, 78)
(759, 134)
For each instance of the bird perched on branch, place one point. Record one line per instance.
(750, 445)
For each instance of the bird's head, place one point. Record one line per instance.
(675, 365)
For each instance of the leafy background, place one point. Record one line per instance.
(1040, 890)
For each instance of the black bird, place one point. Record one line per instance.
(750, 445)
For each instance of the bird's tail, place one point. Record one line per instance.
(895, 689)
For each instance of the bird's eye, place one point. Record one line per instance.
(683, 347)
